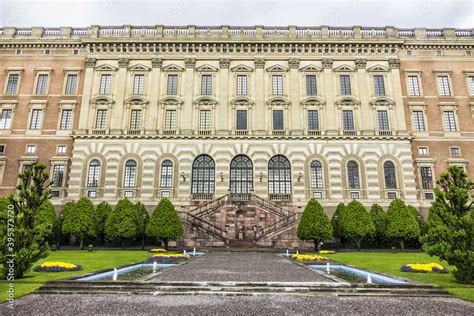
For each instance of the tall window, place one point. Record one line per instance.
(101, 119)
(241, 175)
(316, 175)
(311, 85)
(94, 174)
(172, 88)
(278, 123)
(41, 84)
(449, 121)
(382, 118)
(105, 80)
(71, 84)
(241, 84)
(313, 120)
(389, 173)
(345, 81)
(36, 116)
(138, 84)
(205, 119)
(426, 178)
(12, 84)
(206, 84)
(66, 118)
(6, 119)
(203, 175)
(170, 120)
(277, 84)
(58, 175)
(241, 123)
(130, 174)
(348, 120)
(470, 83)
(279, 175)
(135, 119)
(443, 85)
(379, 85)
(418, 121)
(413, 86)
(166, 174)
(353, 175)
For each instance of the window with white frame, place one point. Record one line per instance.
(57, 176)
(105, 81)
(130, 174)
(241, 120)
(135, 119)
(101, 119)
(36, 117)
(311, 85)
(61, 149)
(172, 87)
(413, 86)
(470, 84)
(379, 85)
(353, 177)
(94, 174)
(455, 151)
(423, 151)
(426, 178)
(6, 119)
(41, 84)
(66, 119)
(449, 121)
(278, 120)
(313, 120)
(418, 121)
(166, 174)
(390, 175)
(71, 84)
(138, 84)
(170, 120)
(345, 83)
(30, 149)
(443, 85)
(12, 84)
(279, 175)
(241, 84)
(316, 169)
(348, 120)
(277, 84)
(382, 119)
(206, 84)
(205, 119)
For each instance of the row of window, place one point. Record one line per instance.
(36, 119)
(449, 119)
(454, 151)
(443, 82)
(42, 84)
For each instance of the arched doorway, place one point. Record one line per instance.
(241, 177)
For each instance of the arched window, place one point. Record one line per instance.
(389, 173)
(94, 174)
(130, 174)
(203, 175)
(353, 175)
(316, 174)
(279, 175)
(241, 175)
(166, 174)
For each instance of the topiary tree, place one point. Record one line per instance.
(80, 220)
(379, 218)
(419, 219)
(356, 223)
(20, 236)
(401, 224)
(314, 224)
(47, 216)
(450, 233)
(123, 222)
(102, 212)
(144, 218)
(164, 223)
(336, 222)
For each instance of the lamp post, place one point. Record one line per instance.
(143, 232)
(61, 218)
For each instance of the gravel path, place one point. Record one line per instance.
(235, 305)
(241, 267)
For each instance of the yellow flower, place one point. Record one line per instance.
(176, 255)
(327, 252)
(308, 257)
(158, 250)
(65, 265)
(425, 266)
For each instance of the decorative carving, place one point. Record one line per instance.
(394, 63)
(90, 62)
(156, 62)
(224, 63)
(189, 62)
(259, 63)
(123, 62)
(360, 63)
(294, 63)
(327, 63)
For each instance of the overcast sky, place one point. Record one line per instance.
(401, 13)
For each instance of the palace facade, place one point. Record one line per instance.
(238, 126)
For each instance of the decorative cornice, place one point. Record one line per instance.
(327, 63)
(224, 63)
(259, 63)
(90, 62)
(394, 63)
(189, 62)
(294, 63)
(156, 62)
(123, 62)
(360, 63)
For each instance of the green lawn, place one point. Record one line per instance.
(90, 261)
(390, 263)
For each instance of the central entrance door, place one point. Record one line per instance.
(241, 178)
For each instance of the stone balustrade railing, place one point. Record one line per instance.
(235, 32)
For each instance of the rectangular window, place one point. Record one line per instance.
(418, 121)
(241, 84)
(42, 84)
(101, 119)
(241, 119)
(348, 120)
(313, 120)
(345, 81)
(170, 120)
(443, 84)
(138, 84)
(205, 120)
(6, 119)
(413, 86)
(135, 119)
(382, 117)
(470, 83)
(311, 85)
(2, 149)
(206, 84)
(426, 178)
(12, 85)
(58, 175)
(30, 149)
(172, 88)
(278, 123)
(71, 84)
(66, 118)
(379, 85)
(36, 116)
(61, 149)
(449, 121)
(455, 151)
(105, 81)
(277, 84)
(423, 151)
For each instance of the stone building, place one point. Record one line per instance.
(240, 126)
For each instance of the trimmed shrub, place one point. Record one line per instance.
(379, 218)
(356, 223)
(401, 224)
(314, 224)
(123, 222)
(103, 210)
(336, 222)
(164, 223)
(80, 220)
(47, 216)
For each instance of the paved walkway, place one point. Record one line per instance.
(241, 267)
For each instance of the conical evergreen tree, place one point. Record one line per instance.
(123, 222)
(356, 223)
(164, 223)
(314, 224)
(401, 224)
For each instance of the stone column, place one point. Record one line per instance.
(84, 120)
(296, 126)
(365, 115)
(259, 113)
(330, 123)
(154, 86)
(222, 115)
(394, 64)
(120, 87)
(187, 91)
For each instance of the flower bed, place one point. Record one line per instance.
(158, 250)
(51, 266)
(169, 257)
(309, 258)
(424, 268)
(327, 252)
